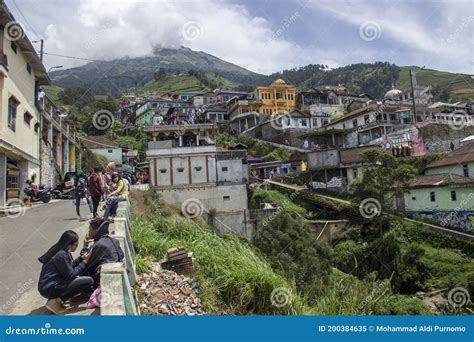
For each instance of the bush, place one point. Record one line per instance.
(231, 276)
(277, 199)
(293, 250)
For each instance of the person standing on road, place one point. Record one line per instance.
(95, 189)
(80, 193)
(59, 278)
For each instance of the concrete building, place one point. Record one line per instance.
(446, 198)
(203, 180)
(103, 146)
(60, 152)
(21, 75)
(459, 162)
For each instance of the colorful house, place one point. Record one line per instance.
(459, 162)
(445, 198)
(277, 97)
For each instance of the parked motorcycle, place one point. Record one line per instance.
(62, 192)
(42, 193)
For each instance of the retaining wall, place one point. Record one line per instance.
(117, 279)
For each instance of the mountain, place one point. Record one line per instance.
(186, 69)
(116, 76)
(460, 87)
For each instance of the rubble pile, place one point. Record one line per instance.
(168, 293)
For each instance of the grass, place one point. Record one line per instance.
(277, 199)
(232, 276)
(461, 85)
(173, 83)
(53, 92)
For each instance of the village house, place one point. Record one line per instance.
(446, 198)
(189, 170)
(103, 146)
(459, 162)
(27, 148)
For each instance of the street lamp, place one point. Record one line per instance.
(55, 67)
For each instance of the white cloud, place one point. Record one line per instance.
(438, 33)
(108, 29)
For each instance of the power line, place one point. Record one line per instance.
(26, 20)
(79, 58)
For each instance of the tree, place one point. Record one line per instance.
(384, 178)
(293, 250)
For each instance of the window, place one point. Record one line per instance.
(28, 68)
(413, 198)
(13, 46)
(37, 127)
(354, 173)
(465, 170)
(354, 123)
(453, 196)
(27, 118)
(432, 196)
(226, 198)
(225, 169)
(109, 151)
(304, 123)
(12, 106)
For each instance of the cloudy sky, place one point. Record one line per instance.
(262, 35)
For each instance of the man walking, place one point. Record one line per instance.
(94, 185)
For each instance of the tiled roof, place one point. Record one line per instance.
(464, 154)
(354, 155)
(98, 141)
(440, 180)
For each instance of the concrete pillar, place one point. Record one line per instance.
(180, 139)
(24, 175)
(59, 151)
(50, 134)
(240, 128)
(72, 157)
(197, 139)
(3, 179)
(66, 156)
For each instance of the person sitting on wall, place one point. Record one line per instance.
(104, 249)
(119, 195)
(59, 278)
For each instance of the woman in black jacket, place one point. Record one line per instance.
(59, 279)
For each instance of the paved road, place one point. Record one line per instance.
(22, 241)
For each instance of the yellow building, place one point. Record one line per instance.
(277, 97)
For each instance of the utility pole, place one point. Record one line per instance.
(41, 49)
(413, 97)
(41, 41)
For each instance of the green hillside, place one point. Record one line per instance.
(53, 92)
(183, 82)
(460, 86)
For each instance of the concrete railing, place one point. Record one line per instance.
(117, 279)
